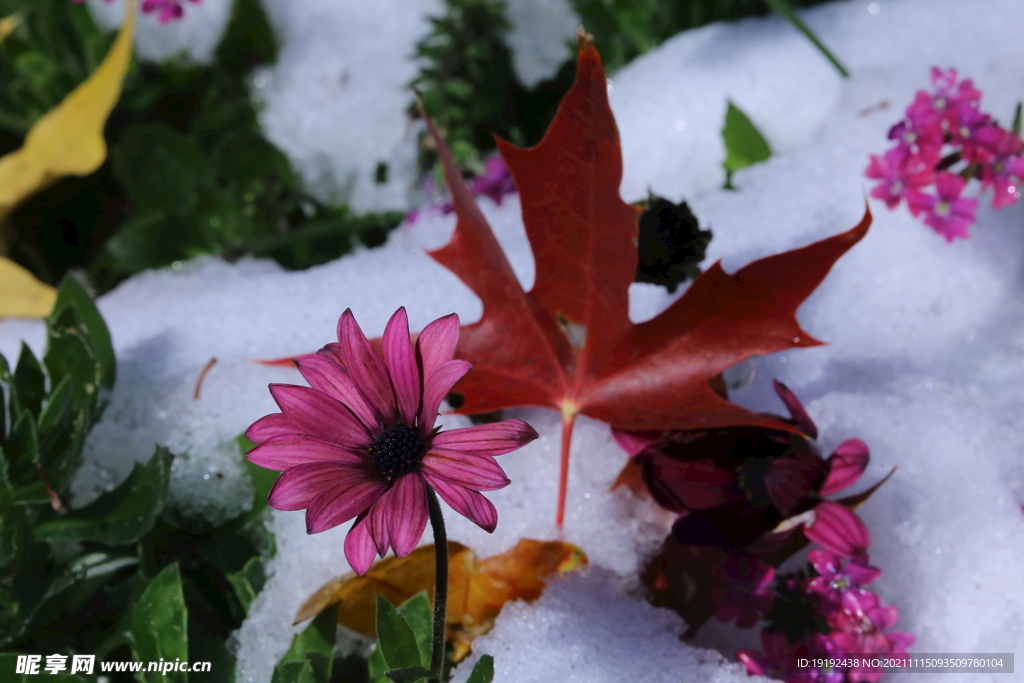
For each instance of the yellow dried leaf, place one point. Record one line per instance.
(21, 295)
(8, 24)
(69, 139)
(477, 590)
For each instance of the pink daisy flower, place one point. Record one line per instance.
(360, 440)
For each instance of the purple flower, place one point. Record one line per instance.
(169, 9)
(948, 214)
(1005, 170)
(747, 594)
(360, 440)
(902, 173)
(839, 530)
(859, 622)
(496, 181)
(836, 575)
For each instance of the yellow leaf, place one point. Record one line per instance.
(69, 139)
(21, 295)
(477, 590)
(8, 24)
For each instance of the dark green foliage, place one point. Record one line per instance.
(467, 83)
(671, 244)
(189, 170)
(793, 612)
(124, 575)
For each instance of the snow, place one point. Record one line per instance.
(923, 361)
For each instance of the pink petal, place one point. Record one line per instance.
(846, 465)
(327, 376)
(492, 439)
(407, 513)
(342, 502)
(796, 409)
(470, 504)
(379, 524)
(290, 450)
(436, 343)
(296, 487)
(366, 368)
(275, 424)
(837, 529)
(436, 387)
(473, 471)
(359, 549)
(634, 442)
(320, 415)
(401, 364)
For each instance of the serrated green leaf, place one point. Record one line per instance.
(483, 670)
(419, 615)
(159, 626)
(396, 639)
(744, 144)
(120, 516)
(71, 293)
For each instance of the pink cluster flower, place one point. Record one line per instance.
(169, 9)
(846, 619)
(944, 141)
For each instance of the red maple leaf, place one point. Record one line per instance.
(568, 343)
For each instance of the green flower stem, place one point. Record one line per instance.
(441, 588)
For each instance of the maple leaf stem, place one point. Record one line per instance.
(568, 420)
(441, 585)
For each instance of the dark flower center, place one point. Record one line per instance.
(397, 451)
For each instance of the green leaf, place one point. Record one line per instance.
(54, 422)
(377, 667)
(28, 385)
(785, 9)
(410, 675)
(483, 670)
(71, 293)
(293, 672)
(397, 642)
(70, 353)
(249, 581)
(420, 616)
(120, 516)
(314, 647)
(12, 533)
(744, 144)
(158, 626)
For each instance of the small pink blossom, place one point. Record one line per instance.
(902, 174)
(747, 594)
(772, 662)
(360, 440)
(169, 9)
(1005, 171)
(836, 575)
(860, 622)
(948, 214)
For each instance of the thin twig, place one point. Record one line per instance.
(202, 376)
